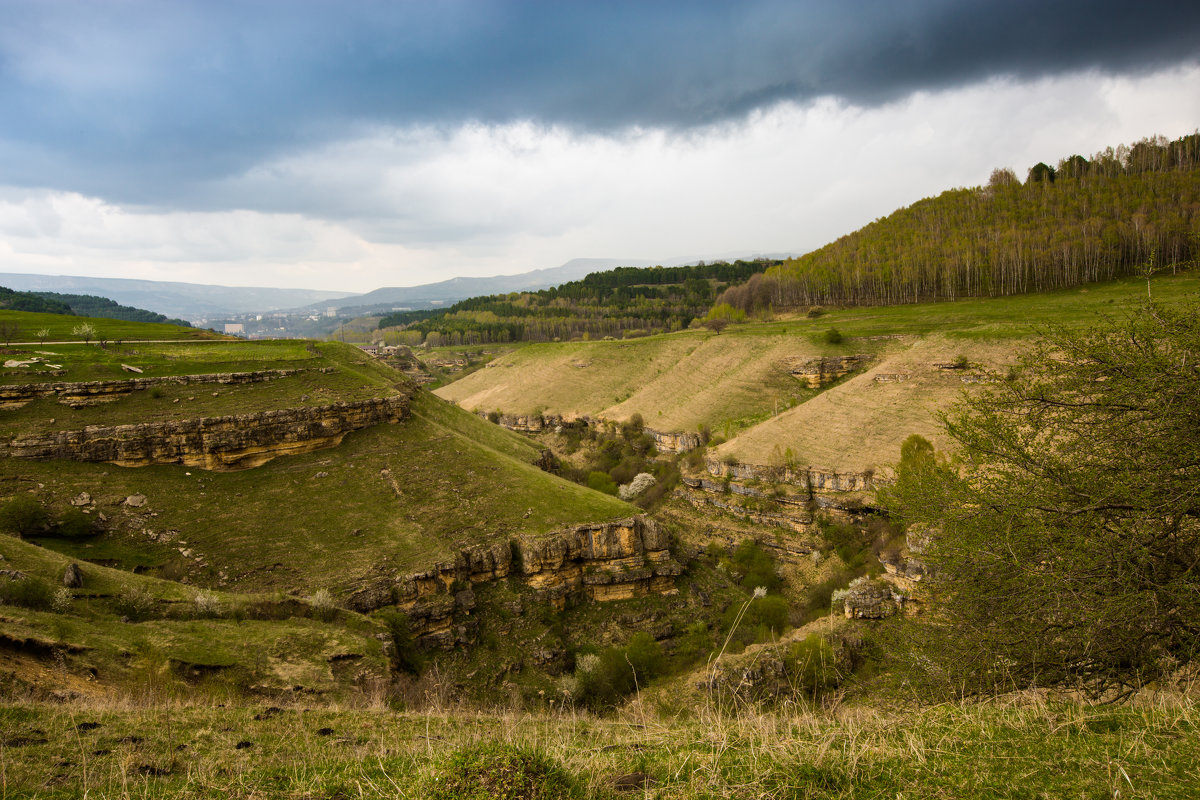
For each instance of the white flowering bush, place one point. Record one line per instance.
(641, 482)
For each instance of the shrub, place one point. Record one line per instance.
(811, 665)
(206, 604)
(24, 516)
(74, 524)
(640, 483)
(62, 600)
(322, 605)
(500, 771)
(134, 602)
(756, 566)
(603, 680)
(601, 482)
(27, 592)
(833, 336)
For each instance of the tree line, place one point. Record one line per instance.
(1085, 220)
(79, 305)
(616, 302)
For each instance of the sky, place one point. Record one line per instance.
(352, 145)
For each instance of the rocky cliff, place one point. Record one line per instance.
(214, 443)
(819, 372)
(674, 441)
(600, 562)
(815, 479)
(85, 393)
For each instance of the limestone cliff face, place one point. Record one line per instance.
(606, 561)
(818, 372)
(85, 393)
(814, 478)
(674, 441)
(214, 443)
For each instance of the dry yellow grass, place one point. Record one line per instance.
(676, 382)
(860, 423)
(735, 383)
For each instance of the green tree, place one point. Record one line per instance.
(1064, 533)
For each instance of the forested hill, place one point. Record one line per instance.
(1086, 220)
(87, 305)
(28, 301)
(616, 302)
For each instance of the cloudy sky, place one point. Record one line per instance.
(351, 145)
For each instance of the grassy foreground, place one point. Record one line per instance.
(1018, 748)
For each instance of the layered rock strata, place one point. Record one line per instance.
(600, 562)
(85, 393)
(815, 479)
(819, 372)
(214, 443)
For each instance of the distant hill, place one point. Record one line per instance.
(29, 301)
(182, 300)
(1113, 215)
(455, 289)
(87, 305)
(614, 302)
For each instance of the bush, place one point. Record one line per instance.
(27, 592)
(603, 680)
(811, 664)
(24, 516)
(833, 336)
(765, 618)
(74, 524)
(500, 771)
(322, 605)
(206, 604)
(135, 603)
(602, 482)
(755, 566)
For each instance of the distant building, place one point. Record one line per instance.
(331, 311)
(234, 327)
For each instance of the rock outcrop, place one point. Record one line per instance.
(600, 562)
(85, 393)
(815, 479)
(871, 599)
(214, 443)
(674, 441)
(819, 372)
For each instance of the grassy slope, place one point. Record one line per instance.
(59, 327)
(737, 380)
(390, 499)
(355, 377)
(326, 519)
(173, 633)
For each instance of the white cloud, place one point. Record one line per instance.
(407, 206)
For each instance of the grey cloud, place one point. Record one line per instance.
(149, 102)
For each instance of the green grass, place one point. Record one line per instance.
(330, 518)
(60, 327)
(136, 631)
(1026, 749)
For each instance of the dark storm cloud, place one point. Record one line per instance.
(137, 101)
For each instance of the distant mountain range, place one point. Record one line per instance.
(195, 301)
(191, 301)
(455, 289)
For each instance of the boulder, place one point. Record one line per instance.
(72, 576)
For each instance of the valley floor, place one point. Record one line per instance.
(1017, 747)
